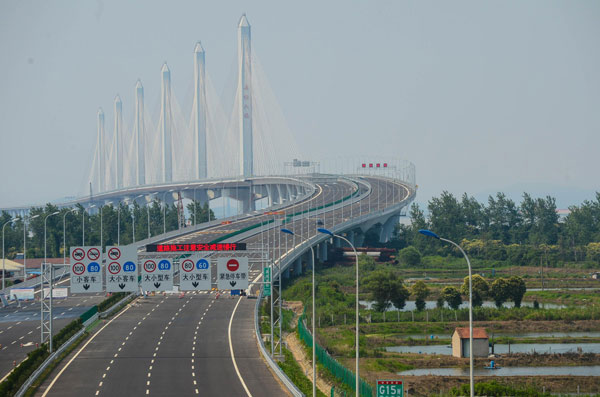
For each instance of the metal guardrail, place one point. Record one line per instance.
(47, 362)
(292, 388)
(114, 307)
(36, 374)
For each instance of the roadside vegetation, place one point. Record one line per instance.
(517, 252)
(114, 217)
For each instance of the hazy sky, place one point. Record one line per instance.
(480, 96)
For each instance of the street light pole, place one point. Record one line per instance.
(165, 210)
(314, 342)
(432, 234)
(325, 231)
(45, 265)
(101, 234)
(83, 213)
(119, 224)
(3, 256)
(25, 246)
(65, 234)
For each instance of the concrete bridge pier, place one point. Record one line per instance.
(201, 195)
(387, 228)
(359, 239)
(337, 243)
(298, 267)
(322, 251)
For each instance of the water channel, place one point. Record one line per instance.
(591, 334)
(503, 348)
(593, 370)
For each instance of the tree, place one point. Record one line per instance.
(593, 252)
(452, 296)
(516, 289)
(439, 302)
(420, 292)
(446, 216)
(499, 291)
(385, 288)
(400, 295)
(480, 289)
(409, 256)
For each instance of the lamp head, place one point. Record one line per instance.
(429, 233)
(325, 231)
(288, 231)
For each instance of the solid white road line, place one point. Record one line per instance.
(80, 350)
(231, 349)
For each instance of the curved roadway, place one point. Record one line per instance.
(198, 343)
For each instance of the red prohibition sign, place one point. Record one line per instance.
(114, 267)
(187, 265)
(93, 254)
(149, 266)
(78, 254)
(78, 268)
(233, 265)
(114, 253)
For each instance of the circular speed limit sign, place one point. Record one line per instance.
(78, 268)
(187, 265)
(149, 266)
(114, 267)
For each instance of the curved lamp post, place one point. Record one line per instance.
(3, 258)
(25, 245)
(325, 231)
(65, 234)
(314, 349)
(432, 234)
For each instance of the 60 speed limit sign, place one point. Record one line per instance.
(121, 269)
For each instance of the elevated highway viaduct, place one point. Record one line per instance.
(196, 344)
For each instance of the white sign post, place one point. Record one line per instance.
(232, 273)
(157, 275)
(194, 274)
(86, 266)
(121, 269)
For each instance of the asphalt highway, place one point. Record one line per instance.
(20, 325)
(196, 343)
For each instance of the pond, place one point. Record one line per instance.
(592, 370)
(410, 305)
(591, 334)
(503, 348)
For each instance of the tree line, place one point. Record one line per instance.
(386, 288)
(504, 230)
(120, 224)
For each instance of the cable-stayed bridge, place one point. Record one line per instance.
(195, 343)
